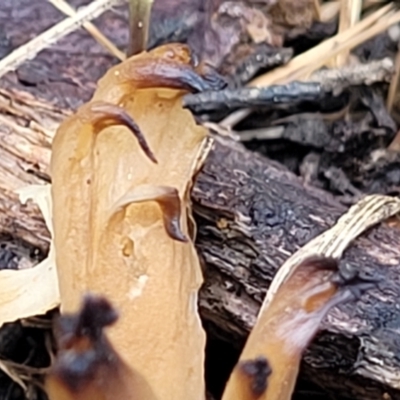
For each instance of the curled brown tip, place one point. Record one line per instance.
(319, 262)
(258, 370)
(170, 204)
(106, 114)
(169, 66)
(96, 313)
(82, 345)
(184, 77)
(171, 75)
(166, 197)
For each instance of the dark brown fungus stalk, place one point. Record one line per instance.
(269, 364)
(87, 366)
(166, 197)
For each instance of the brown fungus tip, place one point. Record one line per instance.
(168, 200)
(178, 76)
(83, 349)
(258, 370)
(170, 204)
(87, 366)
(319, 261)
(168, 66)
(106, 114)
(96, 313)
(284, 328)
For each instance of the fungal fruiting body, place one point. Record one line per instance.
(87, 367)
(121, 170)
(268, 366)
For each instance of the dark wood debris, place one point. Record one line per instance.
(232, 99)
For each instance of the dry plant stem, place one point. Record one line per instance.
(64, 7)
(42, 41)
(317, 9)
(139, 24)
(329, 10)
(299, 297)
(394, 83)
(349, 14)
(12, 374)
(270, 133)
(350, 11)
(233, 119)
(302, 66)
(395, 143)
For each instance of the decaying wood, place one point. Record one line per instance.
(252, 214)
(246, 233)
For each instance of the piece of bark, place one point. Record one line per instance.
(252, 214)
(25, 154)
